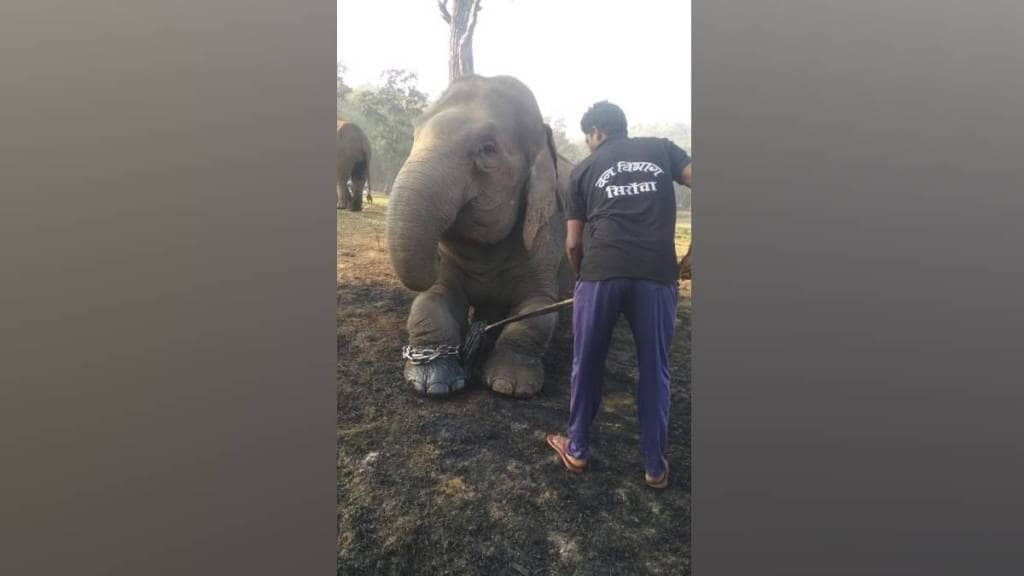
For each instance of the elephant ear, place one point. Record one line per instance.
(541, 192)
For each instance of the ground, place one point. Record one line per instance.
(467, 485)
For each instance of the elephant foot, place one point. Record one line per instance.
(514, 374)
(438, 378)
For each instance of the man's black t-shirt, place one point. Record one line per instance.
(623, 191)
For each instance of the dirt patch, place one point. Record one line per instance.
(467, 485)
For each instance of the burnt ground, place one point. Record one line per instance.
(467, 485)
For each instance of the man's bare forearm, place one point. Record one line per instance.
(574, 244)
(575, 254)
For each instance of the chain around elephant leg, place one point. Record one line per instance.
(432, 366)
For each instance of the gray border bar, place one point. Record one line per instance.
(857, 336)
(167, 342)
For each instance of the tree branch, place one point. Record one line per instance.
(444, 11)
(466, 41)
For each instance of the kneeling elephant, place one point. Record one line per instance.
(475, 223)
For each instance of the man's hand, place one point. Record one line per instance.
(574, 244)
(686, 266)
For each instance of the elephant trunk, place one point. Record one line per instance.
(423, 204)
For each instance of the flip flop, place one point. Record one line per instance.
(658, 482)
(558, 443)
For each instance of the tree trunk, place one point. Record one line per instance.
(462, 20)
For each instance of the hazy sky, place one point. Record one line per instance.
(571, 53)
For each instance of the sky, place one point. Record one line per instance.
(571, 53)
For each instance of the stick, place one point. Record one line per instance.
(538, 312)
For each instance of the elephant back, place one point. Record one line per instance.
(349, 131)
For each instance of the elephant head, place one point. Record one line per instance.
(482, 166)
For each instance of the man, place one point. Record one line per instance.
(620, 240)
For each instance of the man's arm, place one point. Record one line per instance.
(680, 163)
(574, 244)
(686, 265)
(686, 178)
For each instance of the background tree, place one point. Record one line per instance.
(674, 131)
(462, 22)
(343, 89)
(574, 151)
(385, 112)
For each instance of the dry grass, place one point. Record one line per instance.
(467, 485)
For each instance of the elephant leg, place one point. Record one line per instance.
(437, 317)
(348, 195)
(514, 367)
(358, 183)
(343, 197)
(357, 194)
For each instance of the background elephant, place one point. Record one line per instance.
(353, 163)
(475, 222)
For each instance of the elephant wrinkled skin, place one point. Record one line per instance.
(475, 222)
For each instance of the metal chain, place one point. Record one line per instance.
(425, 355)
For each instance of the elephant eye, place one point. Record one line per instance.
(488, 156)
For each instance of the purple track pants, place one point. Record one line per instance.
(650, 308)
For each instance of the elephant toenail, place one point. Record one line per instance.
(502, 386)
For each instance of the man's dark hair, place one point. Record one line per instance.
(607, 118)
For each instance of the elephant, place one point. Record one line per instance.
(353, 163)
(475, 222)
